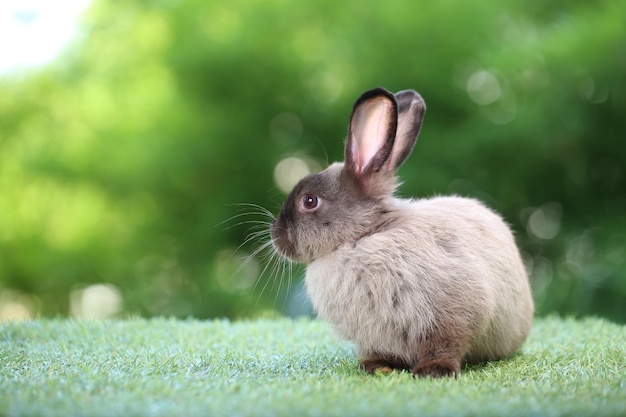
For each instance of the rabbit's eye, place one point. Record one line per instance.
(310, 202)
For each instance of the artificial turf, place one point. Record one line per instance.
(284, 367)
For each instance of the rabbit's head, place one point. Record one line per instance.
(348, 200)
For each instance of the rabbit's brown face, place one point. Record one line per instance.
(322, 211)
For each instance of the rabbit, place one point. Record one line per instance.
(419, 285)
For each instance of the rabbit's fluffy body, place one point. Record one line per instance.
(388, 294)
(424, 284)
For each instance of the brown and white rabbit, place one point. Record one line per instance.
(423, 285)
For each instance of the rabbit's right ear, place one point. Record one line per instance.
(371, 134)
(411, 109)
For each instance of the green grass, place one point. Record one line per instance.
(290, 368)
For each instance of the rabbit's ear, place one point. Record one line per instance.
(372, 131)
(411, 108)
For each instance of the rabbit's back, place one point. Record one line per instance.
(481, 237)
(431, 263)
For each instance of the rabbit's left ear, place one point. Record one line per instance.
(411, 109)
(371, 133)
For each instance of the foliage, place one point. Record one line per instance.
(282, 367)
(119, 162)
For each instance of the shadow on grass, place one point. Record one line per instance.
(497, 366)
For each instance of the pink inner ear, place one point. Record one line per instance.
(370, 126)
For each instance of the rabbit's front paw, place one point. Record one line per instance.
(382, 364)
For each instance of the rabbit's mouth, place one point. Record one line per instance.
(281, 241)
(286, 244)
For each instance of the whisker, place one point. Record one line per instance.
(278, 278)
(262, 210)
(258, 234)
(269, 261)
(280, 281)
(264, 222)
(261, 275)
(252, 256)
(289, 281)
(261, 222)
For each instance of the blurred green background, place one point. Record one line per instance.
(125, 161)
